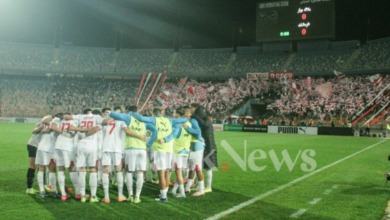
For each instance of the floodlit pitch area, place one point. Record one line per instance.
(261, 176)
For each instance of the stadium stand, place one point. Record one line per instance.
(58, 89)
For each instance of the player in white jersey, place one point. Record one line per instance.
(163, 148)
(45, 156)
(112, 155)
(65, 154)
(181, 150)
(87, 151)
(112, 176)
(104, 114)
(32, 151)
(135, 152)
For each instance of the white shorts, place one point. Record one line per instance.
(43, 158)
(64, 158)
(135, 160)
(162, 160)
(111, 158)
(195, 160)
(179, 161)
(86, 158)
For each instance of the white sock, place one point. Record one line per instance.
(119, 179)
(61, 182)
(99, 171)
(201, 186)
(40, 181)
(99, 176)
(47, 180)
(140, 183)
(209, 177)
(82, 182)
(174, 189)
(74, 177)
(162, 194)
(129, 183)
(181, 189)
(189, 183)
(186, 173)
(93, 183)
(106, 182)
(53, 181)
(165, 192)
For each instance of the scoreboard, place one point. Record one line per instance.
(295, 20)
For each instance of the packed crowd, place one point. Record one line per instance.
(337, 103)
(266, 62)
(219, 99)
(35, 96)
(143, 61)
(23, 97)
(202, 62)
(319, 61)
(315, 98)
(373, 55)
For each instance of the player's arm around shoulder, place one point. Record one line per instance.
(38, 128)
(194, 129)
(145, 119)
(133, 134)
(93, 130)
(180, 120)
(175, 133)
(107, 120)
(152, 128)
(56, 128)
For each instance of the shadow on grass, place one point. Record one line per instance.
(371, 189)
(187, 208)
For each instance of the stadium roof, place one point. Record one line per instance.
(165, 23)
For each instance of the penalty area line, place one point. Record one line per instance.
(282, 187)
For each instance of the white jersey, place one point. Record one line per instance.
(100, 142)
(65, 141)
(35, 139)
(47, 139)
(86, 121)
(113, 140)
(54, 135)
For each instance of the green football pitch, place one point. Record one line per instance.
(260, 176)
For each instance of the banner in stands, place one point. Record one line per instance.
(218, 127)
(7, 120)
(292, 130)
(335, 131)
(278, 75)
(255, 128)
(228, 127)
(257, 76)
(19, 120)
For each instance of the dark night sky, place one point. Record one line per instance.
(164, 23)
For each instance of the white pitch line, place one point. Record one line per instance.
(270, 192)
(315, 201)
(298, 213)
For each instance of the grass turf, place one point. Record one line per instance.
(352, 189)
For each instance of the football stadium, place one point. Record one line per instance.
(167, 109)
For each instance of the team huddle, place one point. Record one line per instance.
(111, 144)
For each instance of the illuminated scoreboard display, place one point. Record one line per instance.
(295, 20)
